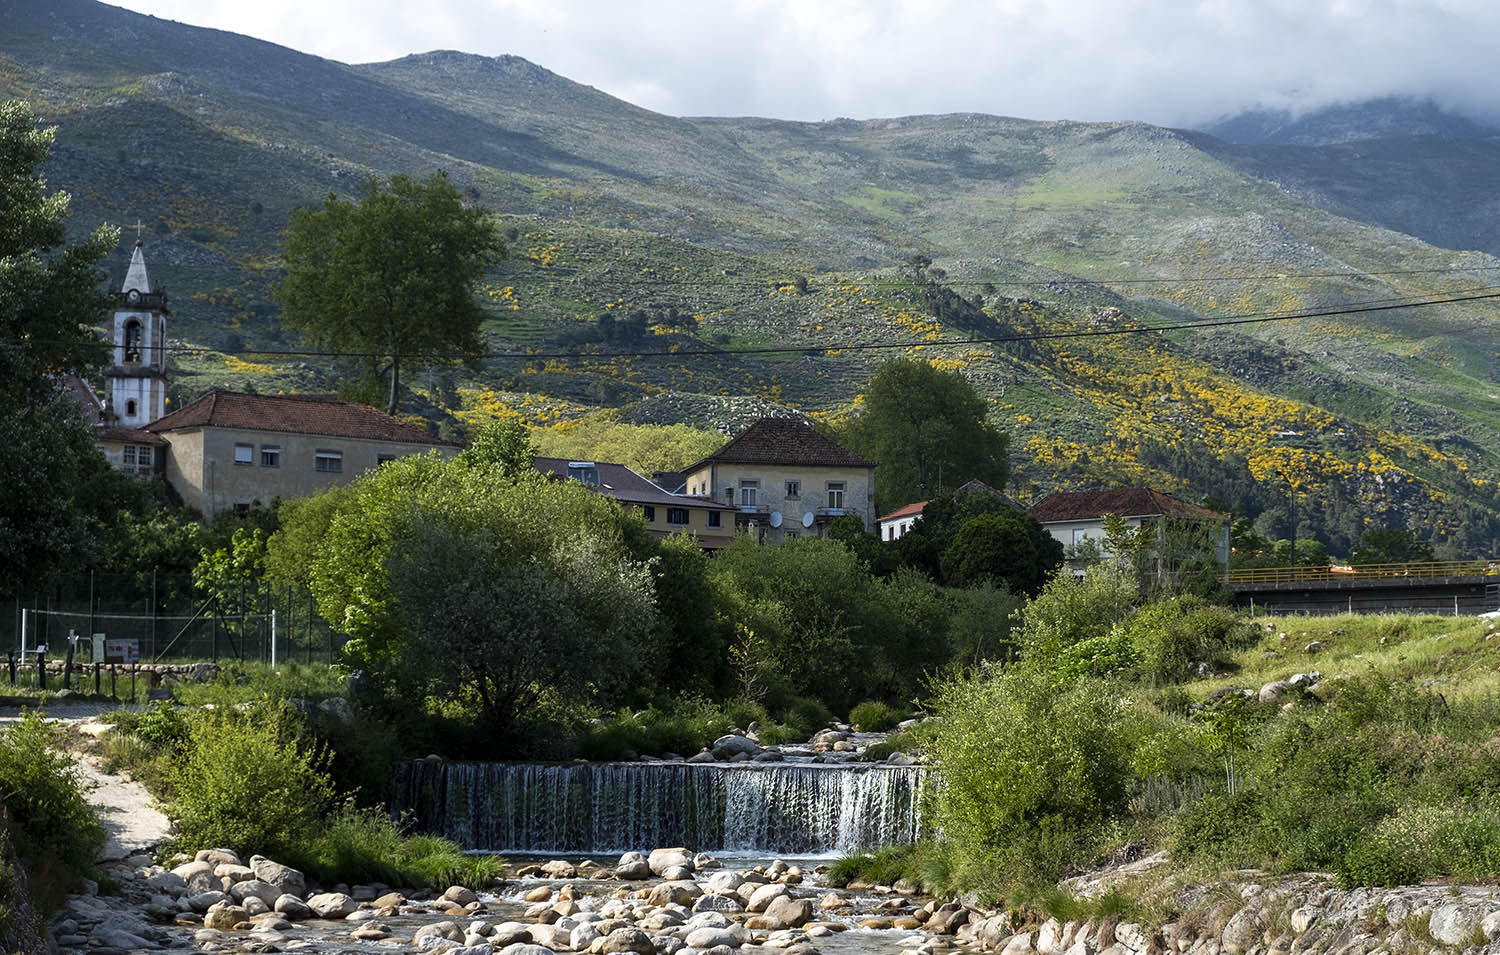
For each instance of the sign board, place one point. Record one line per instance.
(96, 653)
(119, 650)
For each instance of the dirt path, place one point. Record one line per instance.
(131, 823)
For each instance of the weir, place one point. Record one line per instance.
(783, 808)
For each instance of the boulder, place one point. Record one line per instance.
(1018, 945)
(1273, 691)
(723, 882)
(1455, 923)
(559, 869)
(201, 901)
(284, 877)
(198, 876)
(255, 905)
(728, 747)
(632, 867)
(390, 900)
(446, 930)
(255, 888)
(332, 905)
(705, 938)
(727, 904)
(371, 932)
(793, 912)
(510, 933)
(460, 895)
(224, 916)
(524, 948)
(764, 895)
(1242, 931)
(217, 857)
(582, 937)
(661, 860)
(168, 883)
(291, 906)
(1132, 936)
(677, 873)
(627, 940)
(684, 892)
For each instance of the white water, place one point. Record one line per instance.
(617, 807)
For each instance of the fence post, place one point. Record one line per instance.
(41, 669)
(114, 686)
(97, 667)
(12, 654)
(68, 662)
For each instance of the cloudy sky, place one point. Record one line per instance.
(1165, 61)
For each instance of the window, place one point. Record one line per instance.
(584, 471)
(791, 535)
(270, 455)
(329, 462)
(383, 458)
(130, 407)
(835, 495)
(132, 341)
(244, 454)
(729, 495)
(747, 493)
(648, 512)
(793, 490)
(677, 515)
(715, 519)
(136, 459)
(242, 509)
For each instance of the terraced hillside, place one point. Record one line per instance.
(658, 258)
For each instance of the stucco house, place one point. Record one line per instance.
(785, 480)
(1076, 517)
(229, 450)
(899, 522)
(665, 513)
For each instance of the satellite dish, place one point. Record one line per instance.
(775, 518)
(807, 519)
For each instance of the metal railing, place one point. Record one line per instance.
(1425, 570)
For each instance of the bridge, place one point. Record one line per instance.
(1453, 587)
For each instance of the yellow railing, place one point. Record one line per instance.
(1393, 572)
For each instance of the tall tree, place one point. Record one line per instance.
(50, 295)
(930, 432)
(391, 276)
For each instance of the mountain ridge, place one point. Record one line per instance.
(700, 237)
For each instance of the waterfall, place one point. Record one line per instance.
(793, 809)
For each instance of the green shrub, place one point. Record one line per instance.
(1100, 656)
(884, 866)
(1029, 771)
(875, 717)
(51, 826)
(1070, 609)
(366, 845)
(1420, 841)
(807, 715)
(1173, 636)
(248, 781)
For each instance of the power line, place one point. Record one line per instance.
(1376, 305)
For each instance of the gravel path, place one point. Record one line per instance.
(131, 822)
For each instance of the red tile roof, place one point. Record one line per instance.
(784, 441)
(292, 414)
(1126, 502)
(906, 511)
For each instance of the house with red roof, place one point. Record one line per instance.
(900, 521)
(785, 480)
(1076, 518)
(230, 450)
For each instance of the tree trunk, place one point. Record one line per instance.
(390, 405)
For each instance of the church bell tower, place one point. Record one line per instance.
(137, 376)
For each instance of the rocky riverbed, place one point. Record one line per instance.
(667, 902)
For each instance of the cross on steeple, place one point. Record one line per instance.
(137, 230)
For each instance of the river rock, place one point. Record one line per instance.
(255, 888)
(677, 873)
(217, 857)
(284, 877)
(255, 905)
(1242, 931)
(224, 916)
(332, 905)
(632, 866)
(168, 883)
(793, 912)
(447, 930)
(524, 948)
(510, 933)
(559, 869)
(390, 900)
(661, 860)
(371, 932)
(627, 940)
(291, 906)
(234, 872)
(198, 876)
(706, 938)
(1131, 935)
(684, 892)
(724, 882)
(764, 895)
(202, 900)
(728, 747)
(718, 903)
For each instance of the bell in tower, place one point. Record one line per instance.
(137, 376)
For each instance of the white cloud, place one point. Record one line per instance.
(1165, 61)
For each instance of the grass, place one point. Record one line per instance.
(1452, 652)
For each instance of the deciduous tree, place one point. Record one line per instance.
(392, 276)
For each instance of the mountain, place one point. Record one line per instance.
(661, 263)
(1391, 117)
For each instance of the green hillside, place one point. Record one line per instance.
(688, 238)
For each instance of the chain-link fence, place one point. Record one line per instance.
(152, 617)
